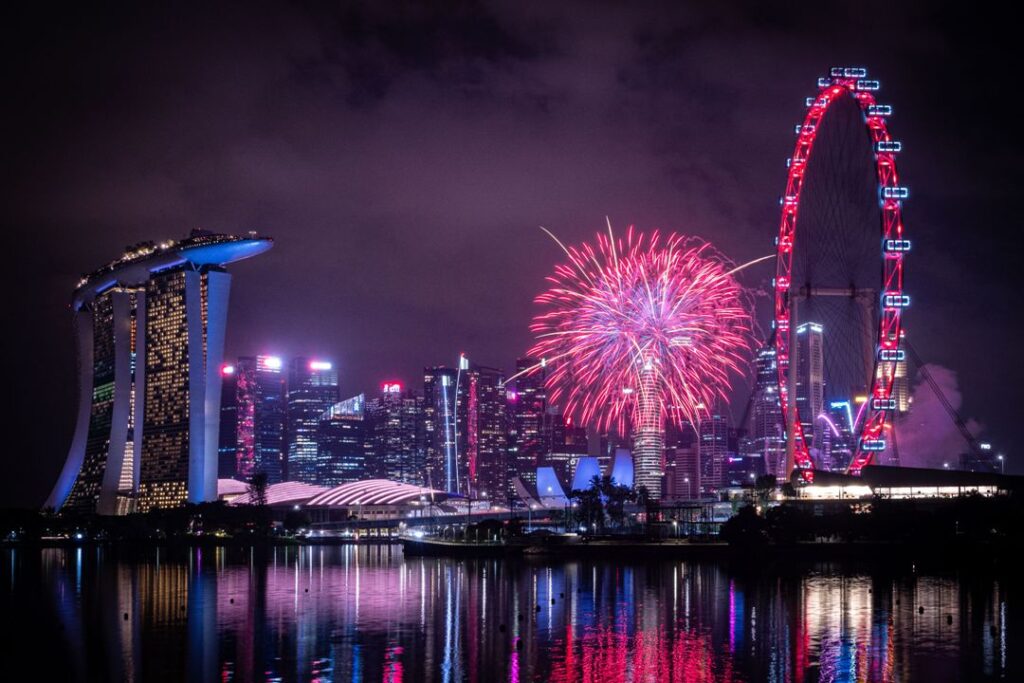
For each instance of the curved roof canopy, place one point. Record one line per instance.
(285, 493)
(375, 492)
(231, 487)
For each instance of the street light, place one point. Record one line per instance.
(1002, 463)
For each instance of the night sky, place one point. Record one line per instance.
(403, 157)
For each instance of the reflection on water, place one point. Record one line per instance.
(366, 613)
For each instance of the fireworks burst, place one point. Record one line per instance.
(641, 321)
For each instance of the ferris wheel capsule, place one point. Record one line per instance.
(895, 192)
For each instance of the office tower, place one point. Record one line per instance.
(492, 464)
(810, 379)
(567, 443)
(312, 389)
(713, 449)
(394, 435)
(682, 462)
(150, 330)
(261, 418)
(440, 427)
(341, 449)
(838, 440)
(649, 431)
(227, 438)
(768, 433)
(528, 406)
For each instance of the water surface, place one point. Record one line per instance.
(367, 613)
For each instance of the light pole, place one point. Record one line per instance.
(1002, 463)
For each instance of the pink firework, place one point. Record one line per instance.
(642, 323)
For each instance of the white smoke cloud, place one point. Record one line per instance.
(927, 435)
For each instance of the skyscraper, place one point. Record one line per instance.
(150, 331)
(837, 439)
(394, 435)
(440, 427)
(227, 439)
(341, 450)
(682, 462)
(810, 379)
(492, 466)
(261, 417)
(768, 432)
(713, 450)
(528, 406)
(649, 431)
(312, 389)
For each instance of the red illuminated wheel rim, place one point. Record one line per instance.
(874, 422)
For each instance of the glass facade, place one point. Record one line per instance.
(341, 448)
(312, 389)
(261, 418)
(528, 405)
(395, 435)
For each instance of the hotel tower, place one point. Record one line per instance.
(150, 329)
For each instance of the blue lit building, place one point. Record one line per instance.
(441, 387)
(150, 328)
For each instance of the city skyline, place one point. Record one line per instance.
(416, 240)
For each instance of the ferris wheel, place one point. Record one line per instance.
(839, 299)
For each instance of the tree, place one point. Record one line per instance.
(765, 487)
(615, 497)
(589, 509)
(745, 528)
(258, 489)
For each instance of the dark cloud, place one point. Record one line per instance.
(402, 156)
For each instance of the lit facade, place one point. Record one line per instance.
(527, 407)
(768, 433)
(150, 329)
(810, 379)
(713, 451)
(682, 462)
(395, 435)
(341, 447)
(491, 422)
(440, 427)
(648, 431)
(261, 418)
(312, 389)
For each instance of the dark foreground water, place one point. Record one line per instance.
(366, 613)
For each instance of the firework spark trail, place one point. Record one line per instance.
(623, 307)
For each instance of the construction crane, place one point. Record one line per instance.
(972, 442)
